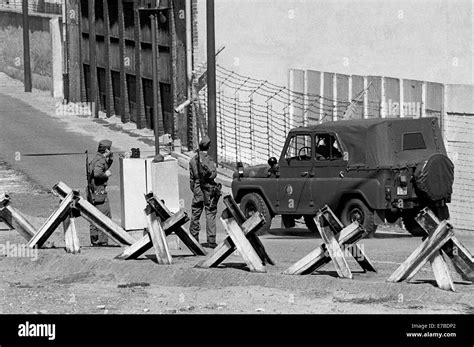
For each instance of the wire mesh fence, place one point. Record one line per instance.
(254, 116)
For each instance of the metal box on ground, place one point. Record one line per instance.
(139, 176)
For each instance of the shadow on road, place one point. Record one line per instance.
(238, 266)
(391, 235)
(291, 233)
(434, 284)
(333, 273)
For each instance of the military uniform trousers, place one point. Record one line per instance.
(211, 212)
(97, 235)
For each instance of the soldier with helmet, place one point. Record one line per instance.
(98, 176)
(206, 192)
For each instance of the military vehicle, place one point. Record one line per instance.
(371, 170)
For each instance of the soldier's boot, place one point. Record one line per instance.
(94, 236)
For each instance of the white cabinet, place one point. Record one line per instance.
(139, 176)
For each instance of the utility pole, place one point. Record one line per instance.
(26, 48)
(156, 81)
(93, 61)
(211, 79)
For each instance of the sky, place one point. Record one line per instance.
(425, 40)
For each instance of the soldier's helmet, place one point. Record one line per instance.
(272, 161)
(103, 145)
(204, 143)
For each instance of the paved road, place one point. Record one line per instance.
(24, 129)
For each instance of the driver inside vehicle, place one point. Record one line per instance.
(322, 150)
(327, 148)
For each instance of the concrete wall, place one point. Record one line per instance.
(460, 98)
(459, 131)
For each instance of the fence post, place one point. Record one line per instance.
(305, 98)
(334, 95)
(220, 125)
(235, 128)
(268, 129)
(402, 100)
(366, 98)
(251, 132)
(270, 133)
(442, 118)
(321, 93)
(423, 100)
(383, 103)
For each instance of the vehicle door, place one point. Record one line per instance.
(296, 163)
(328, 171)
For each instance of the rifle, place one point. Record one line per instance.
(88, 175)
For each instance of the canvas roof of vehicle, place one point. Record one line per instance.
(377, 143)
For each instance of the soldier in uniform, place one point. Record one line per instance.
(99, 173)
(202, 172)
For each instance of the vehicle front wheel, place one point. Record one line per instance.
(357, 210)
(253, 202)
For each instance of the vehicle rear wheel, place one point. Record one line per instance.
(357, 210)
(411, 225)
(253, 202)
(310, 224)
(442, 212)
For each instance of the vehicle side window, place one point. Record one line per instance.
(299, 148)
(327, 147)
(413, 141)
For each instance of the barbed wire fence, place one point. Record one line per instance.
(254, 116)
